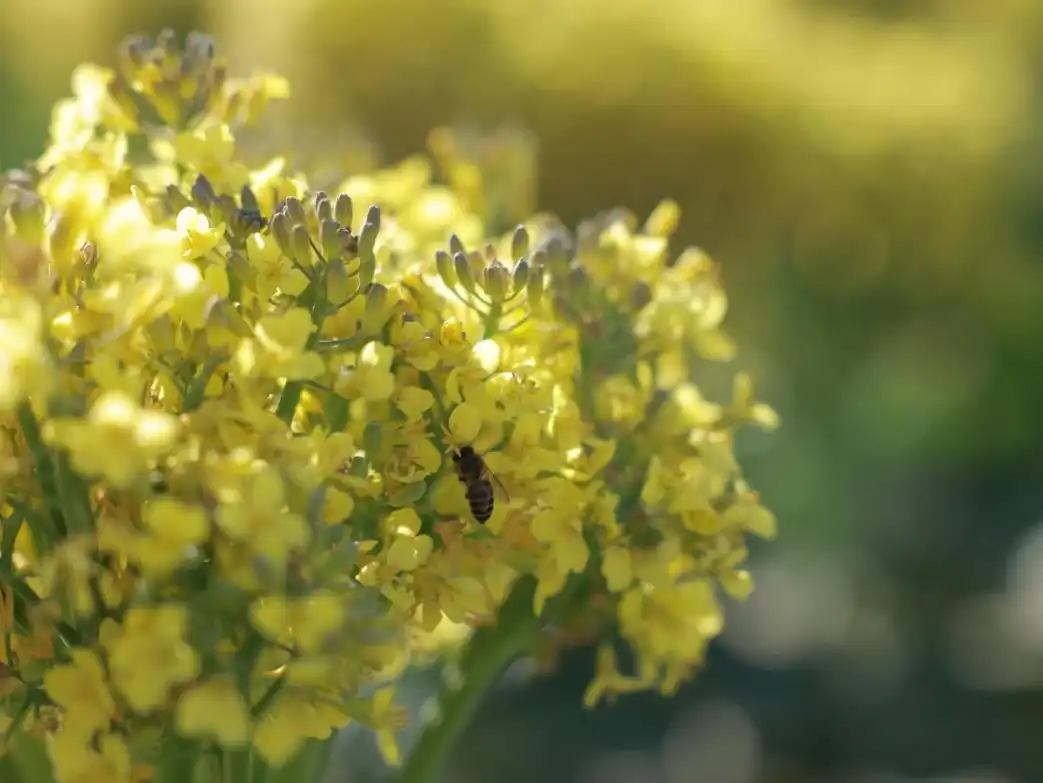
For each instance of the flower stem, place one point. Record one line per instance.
(490, 651)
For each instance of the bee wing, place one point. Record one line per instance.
(496, 480)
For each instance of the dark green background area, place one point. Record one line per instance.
(892, 310)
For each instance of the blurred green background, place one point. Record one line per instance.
(870, 175)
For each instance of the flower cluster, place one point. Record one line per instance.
(230, 404)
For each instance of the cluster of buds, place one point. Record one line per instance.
(488, 284)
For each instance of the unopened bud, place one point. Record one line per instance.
(241, 268)
(519, 242)
(359, 466)
(323, 207)
(228, 210)
(495, 281)
(167, 42)
(329, 237)
(176, 200)
(300, 245)
(456, 245)
(534, 288)
(444, 265)
(464, 274)
(578, 278)
(520, 276)
(370, 229)
(295, 210)
(248, 200)
(367, 269)
(557, 257)
(280, 230)
(203, 193)
(664, 219)
(376, 314)
(249, 221)
(339, 284)
(342, 210)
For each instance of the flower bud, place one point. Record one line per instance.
(578, 279)
(368, 237)
(534, 288)
(664, 219)
(167, 43)
(228, 210)
(241, 268)
(250, 222)
(176, 200)
(367, 269)
(203, 193)
(339, 284)
(520, 242)
(358, 467)
(520, 276)
(329, 238)
(375, 314)
(444, 265)
(342, 210)
(300, 245)
(222, 313)
(323, 207)
(464, 274)
(557, 257)
(280, 230)
(456, 245)
(248, 200)
(496, 281)
(295, 210)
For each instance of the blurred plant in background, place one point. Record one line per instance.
(252, 436)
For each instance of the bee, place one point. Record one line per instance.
(478, 480)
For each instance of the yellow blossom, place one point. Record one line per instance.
(80, 689)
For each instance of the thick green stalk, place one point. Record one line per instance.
(490, 651)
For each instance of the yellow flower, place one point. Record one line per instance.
(259, 518)
(77, 760)
(275, 273)
(290, 721)
(118, 439)
(174, 528)
(24, 365)
(305, 623)
(278, 350)
(198, 236)
(214, 710)
(370, 375)
(148, 654)
(80, 689)
(210, 151)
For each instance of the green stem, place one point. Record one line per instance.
(44, 467)
(291, 392)
(490, 651)
(492, 320)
